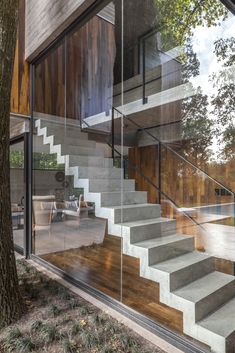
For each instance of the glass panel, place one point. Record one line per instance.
(17, 191)
(75, 181)
(177, 115)
(50, 185)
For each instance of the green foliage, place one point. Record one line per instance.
(74, 303)
(177, 19)
(84, 311)
(64, 294)
(49, 333)
(69, 346)
(76, 328)
(111, 327)
(36, 326)
(54, 310)
(224, 98)
(42, 160)
(17, 159)
(128, 342)
(225, 50)
(99, 319)
(107, 349)
(14, 333)
(16, 342)
(25, 345)
(197, 128)
(89, 339)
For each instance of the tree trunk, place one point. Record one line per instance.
(11, 303)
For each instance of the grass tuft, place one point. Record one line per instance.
(25, 344)
(49, 333)
(19, 344)
(36, 326)
(89, 339)
(63, 294)
(69, 346)
(128, 342)
(76, 328)
(14, 333)
(99, 319)
(54, 310)
(74, 304)
(107, 349)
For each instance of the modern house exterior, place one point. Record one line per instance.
(123, 157)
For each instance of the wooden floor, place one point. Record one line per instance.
(100, 266)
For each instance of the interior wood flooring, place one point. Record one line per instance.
(100, 267)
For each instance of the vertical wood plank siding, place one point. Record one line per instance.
(89, 73)
(20, 84)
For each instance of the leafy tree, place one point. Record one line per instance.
(11, 303)
(197, 128)
(177, 19)
(229, 141)
(45, 161)
(190, 63)
(16, 159)
(225, 50)
(224, 98)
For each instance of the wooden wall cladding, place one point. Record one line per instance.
(179, 181)
(89, 69)
(20, 93)
(50, 83)
(146, 160)
(78, 82)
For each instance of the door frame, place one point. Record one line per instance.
(24, 137)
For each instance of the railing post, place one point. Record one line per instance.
(145, 99)
(159, 170)
(112, 132)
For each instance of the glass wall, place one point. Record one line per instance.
(133, 153)
(183, 117)
(72, 165)
(178, 137)
(17, 176)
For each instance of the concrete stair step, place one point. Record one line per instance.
(222, 324)
(58, 124)
(127, 198)
(186, 268)
(208, 293)
(73, 141)
(145, 229)
(99, 173)
(101, 185)
(89, 161)
(81, 151)
(164, 248)
(128, 213)
(64, 131)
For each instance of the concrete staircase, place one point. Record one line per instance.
(188, 279)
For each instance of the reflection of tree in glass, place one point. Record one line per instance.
(45, 161)
(178, 18)
(225, 50)
(197, 128)
(190, 62)
(16, 159)
(229, 141)
(223, 101)
(174, 20)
